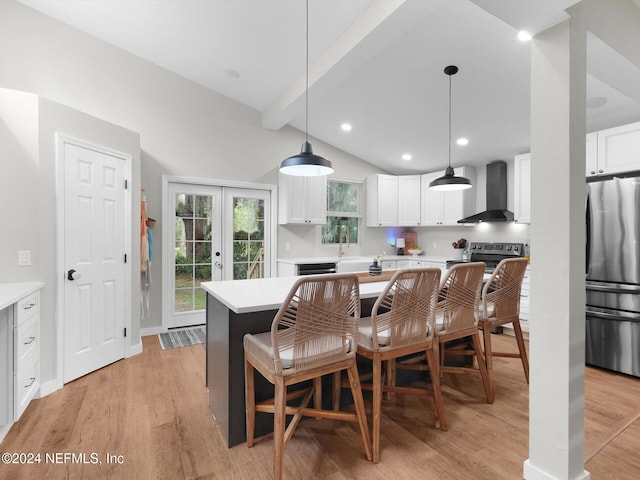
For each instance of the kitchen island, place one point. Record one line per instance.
(235, 308)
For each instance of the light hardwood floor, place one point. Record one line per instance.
(152, 410)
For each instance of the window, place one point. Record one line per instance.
(343, 217)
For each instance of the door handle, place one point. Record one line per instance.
(219, 265)
(71, 275)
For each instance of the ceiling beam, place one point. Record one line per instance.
(382, 23)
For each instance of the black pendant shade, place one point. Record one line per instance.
(306, 163)
(449, 181)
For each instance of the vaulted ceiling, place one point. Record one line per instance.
(376, 64)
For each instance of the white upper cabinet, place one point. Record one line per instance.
(522, 188)
(382, 200)
(302, 200)
(409, 200)
(591, 154)
(617, 150)
(393, 200)
(446, 208)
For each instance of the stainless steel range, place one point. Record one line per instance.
(491, 254)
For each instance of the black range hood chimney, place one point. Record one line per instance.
(496, 196)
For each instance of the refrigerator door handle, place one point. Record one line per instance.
(587, 209)
(602, 288)
(612, 316)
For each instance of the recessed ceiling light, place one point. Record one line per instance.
(595, 102)
(346, 127)
(232, 72)
(406, 156)
(524, 36)
(462, 141)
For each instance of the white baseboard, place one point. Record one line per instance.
(47, 388)
(4, 429)
(531, 472)
(146, 332)
(135, 349)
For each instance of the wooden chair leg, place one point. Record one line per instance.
(390, 378)
(377, 406)
(250, 401)
(488, 357)
(317, 394)
(356, 393)
(336, 391)
(280, 398)
(523, 351)
(477, 345)
(441, 420)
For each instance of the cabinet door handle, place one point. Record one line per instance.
(33, 379)
(30, 306)
(30, 341)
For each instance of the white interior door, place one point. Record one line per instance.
(95, 241)
(194, 254)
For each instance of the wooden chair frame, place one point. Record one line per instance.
(404, 313)
(312, 335)
(501, 306)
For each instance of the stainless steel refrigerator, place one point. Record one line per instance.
(613, 275)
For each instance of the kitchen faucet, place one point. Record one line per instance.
(343, 231)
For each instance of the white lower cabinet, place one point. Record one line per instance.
(19, 354)
(26, 351)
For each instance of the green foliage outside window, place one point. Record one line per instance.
(342, 213)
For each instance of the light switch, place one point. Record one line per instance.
(24, 257)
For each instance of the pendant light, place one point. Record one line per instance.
(449, 181)
(306, 163)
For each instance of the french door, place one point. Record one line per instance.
(212, 233)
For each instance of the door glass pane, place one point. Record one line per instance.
(248, 238)
(192, 250)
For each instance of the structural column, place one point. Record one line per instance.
(557, 330)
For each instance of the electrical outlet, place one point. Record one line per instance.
(435, 246)
(287, 246)
(24, 257)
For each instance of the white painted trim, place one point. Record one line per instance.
(48, 388)
(531, 472)
(149, 332)
(58, 324)
(134, 349)
(4, 429)
(166, 180)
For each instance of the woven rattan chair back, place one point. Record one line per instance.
(316, 323)
(459, 297)
(501, 293)
(405, 311)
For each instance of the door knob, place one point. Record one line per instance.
(72, 275)
(219, 265)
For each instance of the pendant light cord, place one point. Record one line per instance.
(306, 107)
(449, 120)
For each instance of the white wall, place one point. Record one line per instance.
(184, 129)
(28, 125)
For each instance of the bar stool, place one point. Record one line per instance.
(501, 306)
(402, 323)
(312, 334)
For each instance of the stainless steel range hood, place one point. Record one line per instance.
(496, 196)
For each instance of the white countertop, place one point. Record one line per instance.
(308, 260)
(245, 296)
(10, 293)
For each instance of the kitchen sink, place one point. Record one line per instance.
(353, 264)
